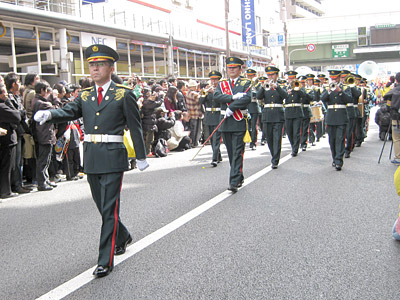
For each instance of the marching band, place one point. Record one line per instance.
(304, 107)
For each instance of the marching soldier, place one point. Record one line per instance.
(351, 112)
(273, 116)
(294, 111)
(234, 95)
(316, 122)
(212, 116)
(261, 80)
(106, 109)
(336, 99)
(324, 85)
(359, 137)
(254, 110)
(310, 95)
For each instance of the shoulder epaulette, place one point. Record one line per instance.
(123, 86)
(88, 88)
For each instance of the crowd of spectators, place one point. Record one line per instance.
(40, 156)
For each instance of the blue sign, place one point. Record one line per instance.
(249, 63)
(248, 22)
(92, 1)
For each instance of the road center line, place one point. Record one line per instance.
(84, 278)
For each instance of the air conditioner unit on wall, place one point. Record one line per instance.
(30, 59)
(362, 41)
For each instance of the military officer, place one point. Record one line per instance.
(359, 107)
(212, 116)
(234, 95)
(336, 98)
(273, 114)
(254, 110)
(294, 111)
(106, 109)
(308, 89)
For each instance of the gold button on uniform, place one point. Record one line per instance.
(96, 127)
(97, 114)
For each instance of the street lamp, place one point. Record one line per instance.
(294, 50)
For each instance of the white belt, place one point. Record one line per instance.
(103, 138)
(292, 104)
(334, 106)
(244, 112)
(213, 109)
(306, 105)
(273, 105)
(350, 105)
(254, 100)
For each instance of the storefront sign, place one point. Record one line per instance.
(88, 39)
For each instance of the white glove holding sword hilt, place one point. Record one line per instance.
(42, 116)
(142, 164)
(238, 96)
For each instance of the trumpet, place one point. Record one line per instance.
(270, 84)
(295, 85)
(333, 86)
(204, 92)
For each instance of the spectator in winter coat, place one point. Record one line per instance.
(180, 139)
(150, 103)
(382, 119)
(163, 124)
(170, 101)
(46, 137)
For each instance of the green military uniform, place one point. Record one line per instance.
(232, 130)
(336, 120)
(212, 116)
(254, 110)
(273, 116)
(305, 124)
(293, 116)
(105, 156)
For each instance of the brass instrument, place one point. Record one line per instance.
(360, 104)
(295, 85)
(350, 80)
(204, 92)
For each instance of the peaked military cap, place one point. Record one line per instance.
(321, 75)
(251, 71)
(291, 74)
(271, 70)
(234, 61)
(100, 52)
(344, 73)
(262, 78)
(310, 76)
(302, 78)
(334, 73)
(281, 81)
(317, 80)
(358, 76)
(215, 74)
(365, 79)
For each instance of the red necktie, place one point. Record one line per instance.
(232, 83)
(99, 95)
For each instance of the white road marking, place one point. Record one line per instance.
(84, 278)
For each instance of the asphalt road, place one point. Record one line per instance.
(303, 231)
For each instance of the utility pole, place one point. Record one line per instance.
(284, 18)
(228, 51)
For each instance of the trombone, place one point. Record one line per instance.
(350, 81)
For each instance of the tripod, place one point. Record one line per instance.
(384, 142)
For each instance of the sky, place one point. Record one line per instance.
(351, 7)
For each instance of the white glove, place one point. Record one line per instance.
(238, 96)
(142, 164)
(42, 116)
(228, 113)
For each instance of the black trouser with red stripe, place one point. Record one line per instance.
(106, 190)
(235, 147)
